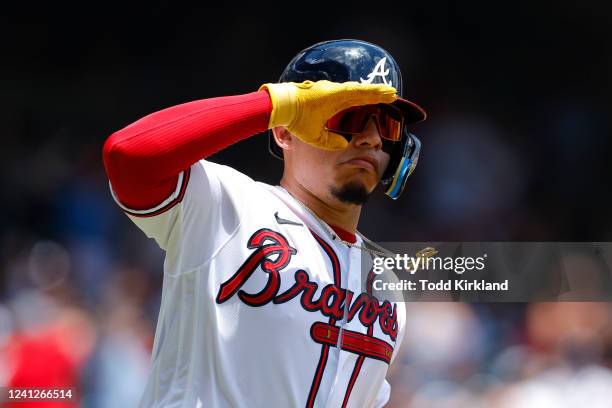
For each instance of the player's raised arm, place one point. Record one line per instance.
(143, 160)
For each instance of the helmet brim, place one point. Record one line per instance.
(412, 112)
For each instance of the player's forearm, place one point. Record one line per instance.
(143, 160)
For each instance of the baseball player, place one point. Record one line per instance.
(263, 303)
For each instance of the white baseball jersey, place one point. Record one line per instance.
(260, 306)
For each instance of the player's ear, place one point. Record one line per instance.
(283, 137)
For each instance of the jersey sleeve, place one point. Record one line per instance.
(198, 218)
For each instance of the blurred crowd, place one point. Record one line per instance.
(94, 335)
(505, 355)
(516, 148)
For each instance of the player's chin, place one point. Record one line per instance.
(369, 179)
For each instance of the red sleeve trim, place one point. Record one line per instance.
(175, 198)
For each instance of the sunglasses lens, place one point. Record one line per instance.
(390, 127)
(351, 120)
(354, 120)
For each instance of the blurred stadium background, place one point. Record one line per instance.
(517, 148)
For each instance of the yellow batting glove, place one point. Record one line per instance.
(304, 108)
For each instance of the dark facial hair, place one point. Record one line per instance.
(351, 193)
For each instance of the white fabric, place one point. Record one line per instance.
(232, 354)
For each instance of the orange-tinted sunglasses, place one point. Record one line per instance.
(354, 120)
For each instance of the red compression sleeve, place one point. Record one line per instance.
(144, 159)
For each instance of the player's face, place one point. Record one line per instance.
(347, 175)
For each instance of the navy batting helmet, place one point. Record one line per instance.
(355, 60)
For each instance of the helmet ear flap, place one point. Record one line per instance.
(401, 165)
(396, 152)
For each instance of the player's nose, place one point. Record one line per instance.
(369, 137)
